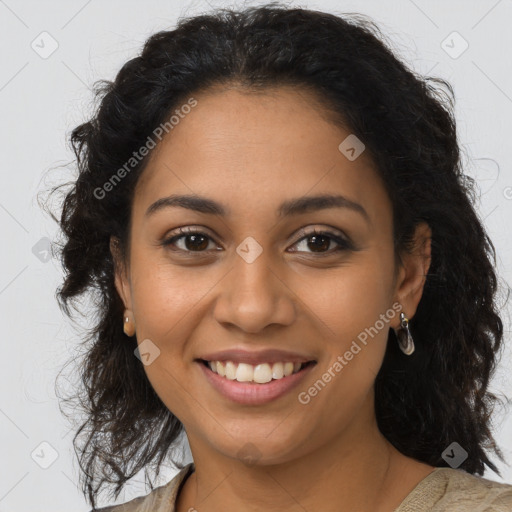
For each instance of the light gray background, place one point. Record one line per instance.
(42, 99)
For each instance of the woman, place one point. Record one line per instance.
(288, 268)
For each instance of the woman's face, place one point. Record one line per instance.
(253, 281)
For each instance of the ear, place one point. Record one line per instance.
(122, 282)
(413, 272)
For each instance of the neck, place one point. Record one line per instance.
(358, 469)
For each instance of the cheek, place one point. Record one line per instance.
(353, 311)
(164, 295)
(348, 299)
(166, 302)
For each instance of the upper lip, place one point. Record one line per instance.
(256, 357)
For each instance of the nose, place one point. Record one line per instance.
(254, 295)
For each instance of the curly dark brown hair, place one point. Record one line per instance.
(423, 402)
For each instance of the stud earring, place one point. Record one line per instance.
(128, 324)
(405, 341)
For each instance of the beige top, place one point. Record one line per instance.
(443, 490)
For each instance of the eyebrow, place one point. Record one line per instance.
(288, 208)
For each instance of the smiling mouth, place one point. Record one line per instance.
(255, 374)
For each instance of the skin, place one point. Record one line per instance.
(251, 152)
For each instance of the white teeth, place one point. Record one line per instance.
(288, 369)
(220, 369)
(244, 372)
(230, 370)
(261, 373)
(277, 371)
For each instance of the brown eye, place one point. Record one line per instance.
(196, 242)
(316, 242)
(193, 241)
(320, 241)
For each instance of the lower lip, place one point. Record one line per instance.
(249, 393)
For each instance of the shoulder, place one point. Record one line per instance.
(455, 490)
(160, 499)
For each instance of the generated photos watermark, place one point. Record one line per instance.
(143, 151)
(305, 397)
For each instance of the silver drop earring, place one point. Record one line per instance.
(405, 341)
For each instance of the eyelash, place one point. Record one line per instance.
(343, 244)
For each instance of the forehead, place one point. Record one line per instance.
(253, 150)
